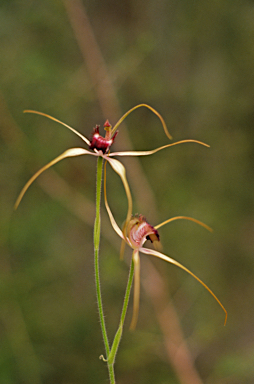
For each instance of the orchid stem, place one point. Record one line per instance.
(110, 352)
(118, 335)
(127, 293)
(97, 228)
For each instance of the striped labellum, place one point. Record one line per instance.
(139, 230)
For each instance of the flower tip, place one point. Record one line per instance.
(133, 327)
(31, 111)
(168, 134)
(107, 125)
(16, 205)
(96, 129)
(226, 318)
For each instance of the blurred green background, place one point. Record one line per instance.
(83, 62)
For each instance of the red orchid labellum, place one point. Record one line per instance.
(102, 143)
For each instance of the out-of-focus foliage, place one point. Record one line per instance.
(194, 62)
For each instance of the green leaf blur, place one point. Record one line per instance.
(193, 61)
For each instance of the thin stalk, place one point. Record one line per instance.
(97, 227)
(118, 335)
(127, 293)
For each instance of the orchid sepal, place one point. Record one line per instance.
(151, 152)
(151, 109)
(60, 122)
(184, 218)
(136, 260)
(120, 170)
(71, 152)
(160, 255)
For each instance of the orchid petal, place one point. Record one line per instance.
(69, 153)
(122, 248)
(172, 261)
(184, 218)
(111, 217)
(146, 153)
(60, 122)
(136, 259)
(151, 109)
(120, 170)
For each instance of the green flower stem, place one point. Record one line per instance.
(97, 228)
(127, 293)
(118, 335)
(110, 352)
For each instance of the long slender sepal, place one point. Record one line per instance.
(136, 260)
(69, 153)
(172, 261)
(111, 217)
(151, 109)
(120, 170)
(184, 218)
(60, 122)
(147, 153)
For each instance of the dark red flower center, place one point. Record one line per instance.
(102, 143)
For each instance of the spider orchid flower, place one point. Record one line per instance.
(135, 233)
(99, 146)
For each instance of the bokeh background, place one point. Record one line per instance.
(83, 62)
